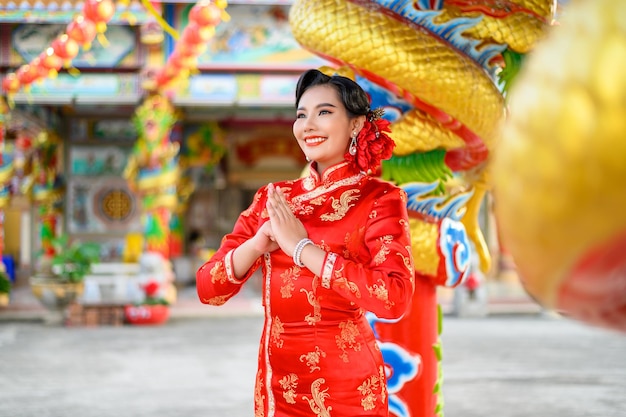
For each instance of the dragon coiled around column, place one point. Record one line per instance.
(440, 69)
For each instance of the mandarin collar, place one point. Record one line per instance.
(332, 174)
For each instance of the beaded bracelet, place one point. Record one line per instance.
(297, 252)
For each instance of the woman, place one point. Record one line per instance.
(331, 246)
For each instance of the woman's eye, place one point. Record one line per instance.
(300, 116)
(324, 112)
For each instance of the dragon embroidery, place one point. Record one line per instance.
(341, 206)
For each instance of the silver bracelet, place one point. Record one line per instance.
(297, 252)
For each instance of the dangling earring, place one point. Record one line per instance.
(352, 148)
(307, 158)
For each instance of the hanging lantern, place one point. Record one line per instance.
(38, 68)
(50, 62)
(27, 74)
(100, 12)
(82, 30)
(65, 48)
(162, 78)
(11, 84)
(190, 50)
(204, 13)
(180, 62)
(195, 34)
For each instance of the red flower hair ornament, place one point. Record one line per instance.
(373, 145)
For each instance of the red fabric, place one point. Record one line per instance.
(317, 350)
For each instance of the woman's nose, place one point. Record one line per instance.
(309, 125)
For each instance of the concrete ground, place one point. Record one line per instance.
(505, 365)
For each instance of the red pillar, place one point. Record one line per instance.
(411, 351)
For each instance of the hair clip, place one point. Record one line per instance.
(375, 114)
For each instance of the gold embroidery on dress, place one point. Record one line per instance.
(303, 210)
(344, 284)
(406, 227)
(289, 383)
(218, 273)
(218, 300)
(276, 331)
(288, 277)
(258, 397)
(287, 190)
(347, 339)
(383, 385)
(381, 256)
(367, 390)
(308, 183)
(317, 309)
(324, 246)
(381, 293)
(341, 206)
(313, 359)
(329, 188)
(407, 260)
(318, 201)
(318, 399)
(373, 214)
(403, 196)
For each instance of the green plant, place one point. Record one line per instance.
(5, 284)
(71, 262)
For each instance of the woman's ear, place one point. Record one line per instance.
(358, 123)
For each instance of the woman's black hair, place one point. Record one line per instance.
(353, 97)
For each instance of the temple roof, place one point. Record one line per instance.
(62, 11)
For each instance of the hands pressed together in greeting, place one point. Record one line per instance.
(283, 230)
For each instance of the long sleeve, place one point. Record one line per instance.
(215, 280)
(385, 284)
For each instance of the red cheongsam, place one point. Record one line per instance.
(318, 355)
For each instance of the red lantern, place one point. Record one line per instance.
(82, 30)
(99, 11)
(171, 70)
(65, 48)
(11, 84)
(189, 50)
(49, 61)
(37, 67)
(28, 73)
(163, 78)
(195, 34)
(205, 13)
(179, 62)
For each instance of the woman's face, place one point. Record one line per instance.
(322, 126)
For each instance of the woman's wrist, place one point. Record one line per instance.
(297, 251)
(243, 257)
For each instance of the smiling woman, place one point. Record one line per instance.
(330, 110)
(331, 246)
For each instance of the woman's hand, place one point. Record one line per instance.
(286, 228)
(264, 239)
